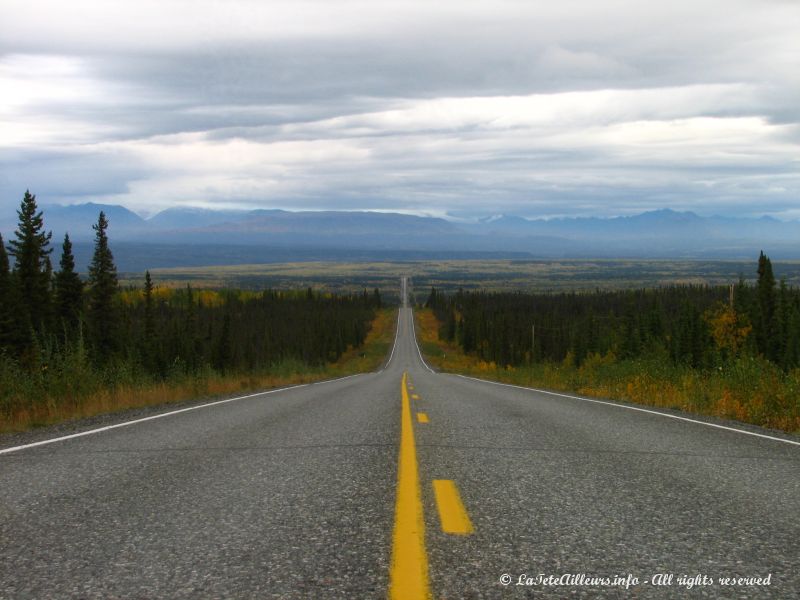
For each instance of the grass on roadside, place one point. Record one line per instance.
(78, 392)
(749, 390)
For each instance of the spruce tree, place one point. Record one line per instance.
(432, 301)
(148, 340)
(149, 316)
(450, 326)
(189, 339)
(222, 347)
(102, 317)
(766, 306)
(781, 324)
(746, 312)
(792, 352)
(5, 273)
(14, 331)
(6, 307)
(32, 266)
(631, 339)
(69, 289)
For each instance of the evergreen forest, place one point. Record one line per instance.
(62, 335)
(725, 351)
(693, 325)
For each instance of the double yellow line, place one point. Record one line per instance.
(409, 570)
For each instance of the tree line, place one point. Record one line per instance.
(700, 326)
(47, 315)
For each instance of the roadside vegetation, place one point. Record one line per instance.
(731, 352)
(71, 347)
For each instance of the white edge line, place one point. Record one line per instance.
(166, 414)
(396, 333)
(414, 334)
(328, 380)
(645, 410)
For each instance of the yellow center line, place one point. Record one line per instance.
(422, 417)
(409, 569)
(452, 514)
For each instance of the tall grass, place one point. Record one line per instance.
(749, 389)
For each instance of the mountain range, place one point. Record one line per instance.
(371, 235)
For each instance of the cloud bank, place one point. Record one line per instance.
(453, 108)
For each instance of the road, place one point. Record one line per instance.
(298, 494)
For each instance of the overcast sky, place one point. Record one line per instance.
(537, 108)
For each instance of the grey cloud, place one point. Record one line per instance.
(64, 176)
(322, 84)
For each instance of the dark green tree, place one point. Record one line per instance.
(792, 352)
(449, 329)
(744, 304)
(433, 299)
(149, 316)
(69, 289)
(32, 266)
(781, 324)
(5, 275)
(6, 305)
(190, 341)
(102, 315)
(766, 305)
(149, 345)
(222, 346)
(631, 345)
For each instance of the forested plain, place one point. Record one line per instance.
(730, 351)
(70, 346)
(499, 274)
(76, 345)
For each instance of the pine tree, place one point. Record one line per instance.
(792, 352)
(32, 266)
(781, 324)
(5, 271)
(631, 339)
(766, 306)
(745, 307)
(450, 326)
(190, 340)
(148, 344)
(433, 299)
(222, 347)
(69, 289)
(149, 316)
(6, 304)
(102, 317)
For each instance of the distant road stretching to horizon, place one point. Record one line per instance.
(403, 483)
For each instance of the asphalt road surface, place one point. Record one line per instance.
(344, 489)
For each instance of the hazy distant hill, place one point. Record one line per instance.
(333, 223)
(77, 220)
(656, 234)
(663, 224)
(184, 218)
